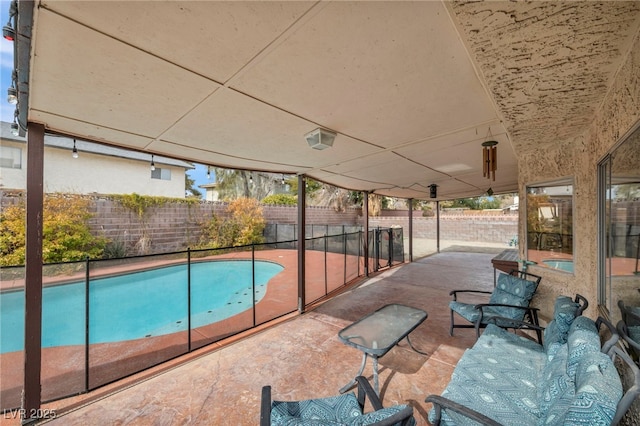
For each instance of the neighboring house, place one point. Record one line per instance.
(98, 169)
(211, 193)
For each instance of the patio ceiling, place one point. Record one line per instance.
(411, 88)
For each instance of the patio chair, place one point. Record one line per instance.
(509, 301)
(345, 409)
(629, 328)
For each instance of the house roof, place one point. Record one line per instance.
(56, 141)
(412, 89)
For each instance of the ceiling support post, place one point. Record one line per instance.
(410, 202)
(302, 205)
(31, 396)
(365, 214)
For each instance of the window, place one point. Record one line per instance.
(550, 225)
(159, 173)
(10, 157)
(619, 225)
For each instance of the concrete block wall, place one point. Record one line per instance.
(176, 226)
(467, 227)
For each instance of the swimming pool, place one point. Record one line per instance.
(562, 264)
(136, 305)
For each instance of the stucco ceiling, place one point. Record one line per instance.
(411, 88)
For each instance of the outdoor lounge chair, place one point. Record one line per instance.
(345, 409)
(629, 328)
(509, 301)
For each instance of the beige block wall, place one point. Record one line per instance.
(579, 159)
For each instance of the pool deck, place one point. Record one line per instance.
(300, 356)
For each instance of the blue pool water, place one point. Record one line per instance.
(137, 305)
(563, 265)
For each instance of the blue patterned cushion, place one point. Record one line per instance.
(634, 333)
(511, 290)
(516, 286)
(583, 338)
(466, 310)
(490, 312)
(554, 380)
(500, 341)
(496, 379)
(564, 311)
(553, 338)
(376, 416)
(597, 392)
(336, 409)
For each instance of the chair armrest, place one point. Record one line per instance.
(365, 390)
(608, 344)
(440, 402)
(265, 406)
(528, 309)
(515, 324)
(505, 322)
(454, 293)
(582, 302)
(632, 393)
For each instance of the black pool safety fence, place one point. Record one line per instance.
(104, 320)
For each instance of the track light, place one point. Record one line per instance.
(15, 128)
(153, 165)
(8, 32)
(74, 153)
(12, 95)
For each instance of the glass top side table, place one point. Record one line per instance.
(376, 333)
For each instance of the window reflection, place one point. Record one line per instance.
(620, 173)
(550, 225)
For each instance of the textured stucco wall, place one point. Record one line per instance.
(578, 158)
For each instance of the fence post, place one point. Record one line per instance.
(326, 278)
(344, 243)
(301, 243)
(189, 299)
(253, 282)
(86, 324)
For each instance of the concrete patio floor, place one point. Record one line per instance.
(302, 357)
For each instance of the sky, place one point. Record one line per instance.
(6, 66)
(199, 174)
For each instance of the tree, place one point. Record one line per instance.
(280, 200)
(189, 187)
(233, 184)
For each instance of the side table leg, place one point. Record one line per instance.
(375, 374)
(353, 382)
(413, 347)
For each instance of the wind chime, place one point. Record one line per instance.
(489, 158)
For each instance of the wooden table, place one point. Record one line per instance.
(506, 261)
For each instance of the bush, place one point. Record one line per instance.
(280, 200)
(244, 226)
(65, 232)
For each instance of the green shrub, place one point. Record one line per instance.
(243, 226)
(65, 232)
(280, 200)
